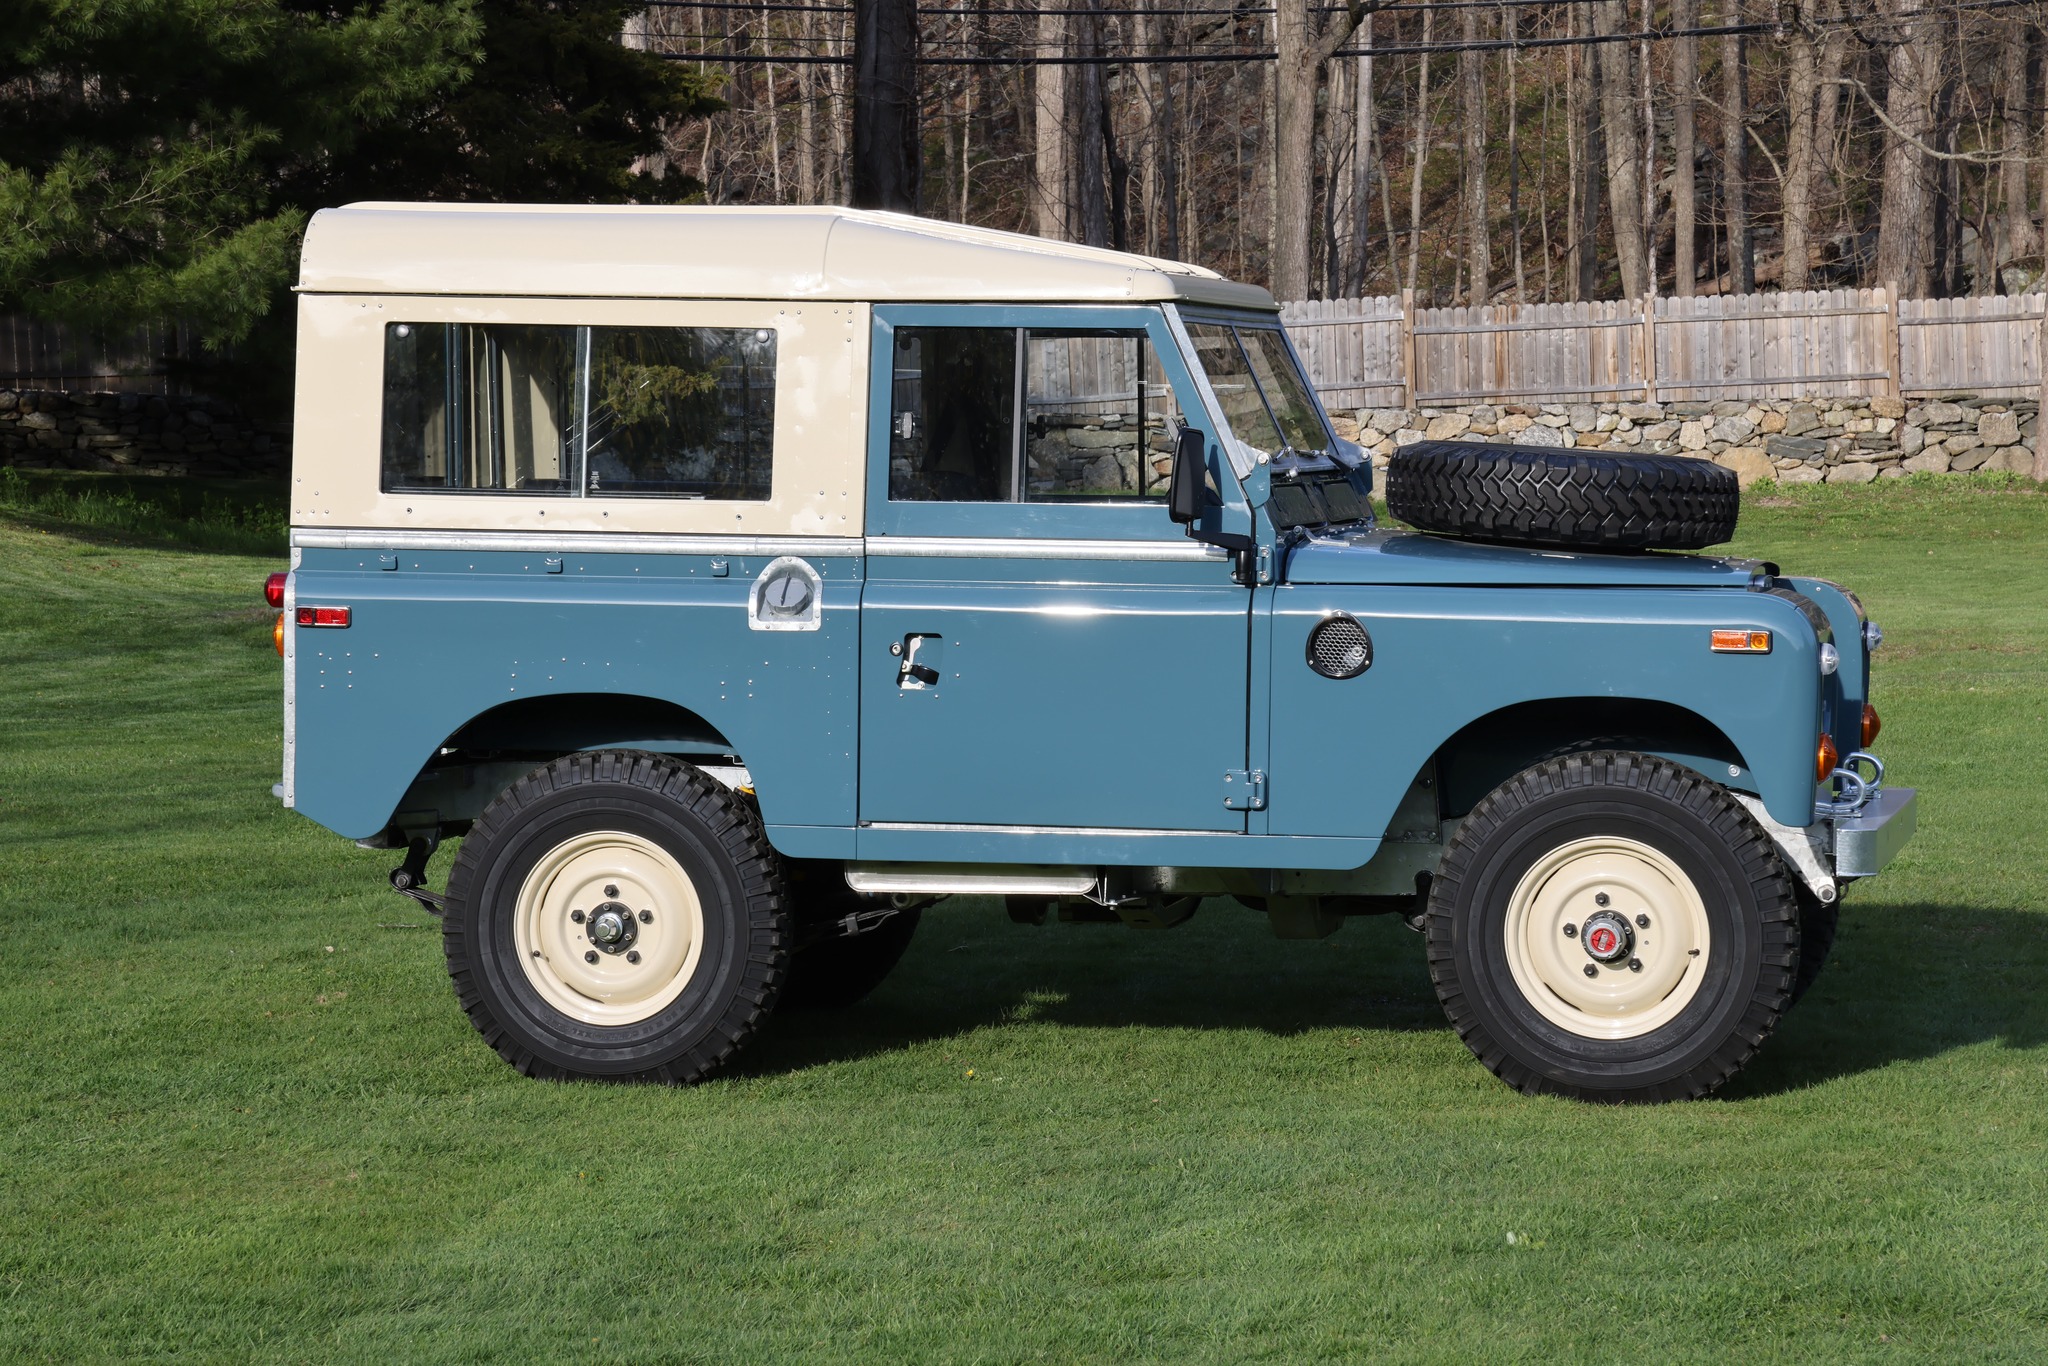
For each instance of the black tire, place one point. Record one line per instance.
(1540, 495)
(1817, 923)
(1726, 996)
(673, 822)
(831, 970)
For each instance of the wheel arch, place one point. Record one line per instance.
(1492, 748)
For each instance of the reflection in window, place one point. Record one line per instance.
(1293, 408)
(605, 411)
(1230, 375)
(1092, 421)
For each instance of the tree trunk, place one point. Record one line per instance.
(2022, 241)
(1685, 79)
(1049, 178)
(1366, 152)
(1584, 116)
(1735, 158)
(1091, 207)
(1421, 150)
(1624, 150)
(1905, 213)
(1825, 186)
(1294, 133)
(1801, 88)
(887, 163)
(1478, 243)
(1511, 26)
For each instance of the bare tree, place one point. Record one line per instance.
(1304, 44)
(1624, 148)
(1905, 215)
(1801, 90)
(1472, 147)
(2022, 242)
(1049, 192)
(1584, 138)
(887, 159)
(1685, 80)
(1420, 154)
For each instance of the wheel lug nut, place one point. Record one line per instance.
(647, 917)
(1600, 898)
(576, 916)
(590, 955)
(633, 956)
(1642, 922)
(1592, 971)
(1635, 965)
(1571, 931)
(611, 891)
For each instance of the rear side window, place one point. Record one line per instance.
(679, 412)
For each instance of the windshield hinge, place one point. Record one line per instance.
(1244, 790)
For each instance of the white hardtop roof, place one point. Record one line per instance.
(601, 251)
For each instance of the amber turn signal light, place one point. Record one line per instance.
(1741, 642)
(1871, 725)
(1825, 759)
(277, 634)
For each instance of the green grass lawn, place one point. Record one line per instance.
(241, 1115)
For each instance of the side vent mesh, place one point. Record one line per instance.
(1339, 647)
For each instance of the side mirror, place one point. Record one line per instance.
(1187, 483)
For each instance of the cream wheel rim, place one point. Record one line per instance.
(608, 928)
(1641, 962)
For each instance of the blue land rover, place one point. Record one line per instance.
(736, 583)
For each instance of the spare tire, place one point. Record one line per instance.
(1541, 495)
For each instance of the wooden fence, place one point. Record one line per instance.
(1841, 343)
(44, 355)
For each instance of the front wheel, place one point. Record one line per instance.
(1614, 927)
(616, 915)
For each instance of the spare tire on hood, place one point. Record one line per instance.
(1542, 495)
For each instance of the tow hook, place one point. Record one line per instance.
(409, 878)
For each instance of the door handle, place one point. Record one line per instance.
(909, 673)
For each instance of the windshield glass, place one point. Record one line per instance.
(1230, 375)
(1293, 407)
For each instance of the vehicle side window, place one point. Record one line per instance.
(681, 412)
(1003, 415)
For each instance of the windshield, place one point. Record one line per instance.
(1265, 400)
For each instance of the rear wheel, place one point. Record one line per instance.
(1614, 927)
(616, 915)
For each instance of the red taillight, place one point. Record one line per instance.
(273, 590)
(1825, 758)
(322, 616)
(1871, 725)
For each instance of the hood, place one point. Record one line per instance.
(1410, 557)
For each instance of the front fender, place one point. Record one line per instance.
(1341, 753)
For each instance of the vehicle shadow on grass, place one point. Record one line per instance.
(1904, 983)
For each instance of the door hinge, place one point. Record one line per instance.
(1244, 790)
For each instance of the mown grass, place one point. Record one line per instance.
(243, 1117)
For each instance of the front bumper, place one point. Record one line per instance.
(1868, 840)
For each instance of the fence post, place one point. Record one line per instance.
(1408, 384)
(2040, 471)
(1650, 347)
(1895, 383)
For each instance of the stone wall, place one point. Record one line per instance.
(138, 434)
(1801, 441)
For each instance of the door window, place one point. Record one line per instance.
(1029, 415)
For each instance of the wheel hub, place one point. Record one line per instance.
(1607, 937)
(612, 928)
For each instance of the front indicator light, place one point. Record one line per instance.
(1825, 759)
(277, 634)
(1871, 725)
(1731, 642)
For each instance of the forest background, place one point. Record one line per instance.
(158, 158)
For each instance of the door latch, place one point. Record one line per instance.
(1244, 790)
(910, 674)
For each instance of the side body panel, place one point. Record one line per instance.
(1343, 752)
(445, 635)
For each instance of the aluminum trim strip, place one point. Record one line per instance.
(288, 787)
(1076, 830)
(953, 882)
(1025, 548)
(609, 542)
